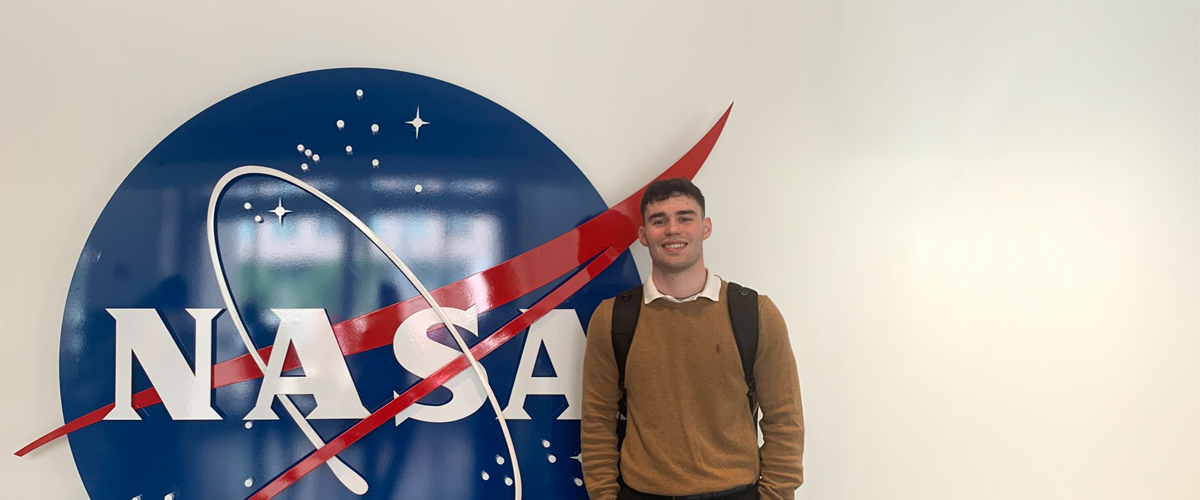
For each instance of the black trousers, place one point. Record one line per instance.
(626, 493)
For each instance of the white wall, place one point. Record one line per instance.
(981, 219)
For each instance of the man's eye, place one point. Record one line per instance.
(658, 222)
(685, 219)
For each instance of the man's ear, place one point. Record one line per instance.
(642, 236)
(707, 227)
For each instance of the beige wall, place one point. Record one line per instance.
(981, 219)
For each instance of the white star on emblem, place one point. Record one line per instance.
(417, 122)
(279, 211)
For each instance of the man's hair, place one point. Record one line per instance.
(661, 190)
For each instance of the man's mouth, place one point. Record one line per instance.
(674, 246)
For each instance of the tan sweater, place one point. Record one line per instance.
(689, 429)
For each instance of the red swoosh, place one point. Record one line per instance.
(486, 290)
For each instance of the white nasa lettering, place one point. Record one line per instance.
(185, 393)
(326, 376)
(422, 356)
(562, 334)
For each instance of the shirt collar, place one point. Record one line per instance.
(711, 291)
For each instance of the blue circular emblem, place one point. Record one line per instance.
(452, 184)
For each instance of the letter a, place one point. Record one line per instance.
(326, 376)
(562, 334)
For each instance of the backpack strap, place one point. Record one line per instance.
(743, 314)
(626, 308)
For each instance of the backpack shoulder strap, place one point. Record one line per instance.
(743, 314)
(626, 307)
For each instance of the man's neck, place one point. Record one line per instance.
(682, 284)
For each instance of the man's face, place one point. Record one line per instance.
(674, 231)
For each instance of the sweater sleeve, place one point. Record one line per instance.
(778, 391)
(598, 428)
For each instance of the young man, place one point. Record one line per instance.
(690, 433)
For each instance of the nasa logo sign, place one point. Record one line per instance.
(347, 283)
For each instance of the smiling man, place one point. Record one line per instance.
(672, 415)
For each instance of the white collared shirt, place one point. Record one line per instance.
(711, 290)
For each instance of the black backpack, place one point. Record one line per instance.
(743, 314)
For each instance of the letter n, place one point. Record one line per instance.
(186, 394)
